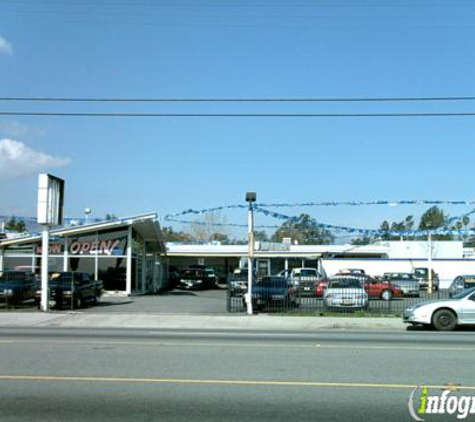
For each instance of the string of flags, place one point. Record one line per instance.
(262, 208)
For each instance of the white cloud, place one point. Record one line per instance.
(5, 46)
(18, 160)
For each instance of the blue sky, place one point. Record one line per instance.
(238, 49)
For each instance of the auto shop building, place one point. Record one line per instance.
(127, 254)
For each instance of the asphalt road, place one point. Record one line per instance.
(165, 375)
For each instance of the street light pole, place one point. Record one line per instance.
(250, 198)
(429, 262)
(87, 212)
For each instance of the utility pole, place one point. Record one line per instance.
(250, 198)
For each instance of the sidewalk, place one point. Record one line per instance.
(205, 322)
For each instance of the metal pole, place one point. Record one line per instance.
(429, 265)
(44, 269)
(250, 258)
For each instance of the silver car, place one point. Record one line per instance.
(345, 292)
(444, 314)
(405, 281)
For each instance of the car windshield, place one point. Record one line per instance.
(347, 282)
(307, 273)
(464, 293)
(421, 272)
(192, 273)
(62, 278)
(469, 279)
(13, 277)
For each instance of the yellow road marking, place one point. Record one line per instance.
(235, 345)
(225, 382)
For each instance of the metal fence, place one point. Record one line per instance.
(376, 297)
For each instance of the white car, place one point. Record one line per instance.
(345, 291)
(444, 314)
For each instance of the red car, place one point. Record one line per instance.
(375, 288)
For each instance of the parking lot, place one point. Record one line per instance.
(217, 301)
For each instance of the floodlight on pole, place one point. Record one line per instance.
(250, 199)
(87, 212)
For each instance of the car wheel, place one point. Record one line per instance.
(95, 299)
(386, 295)
(444, 320)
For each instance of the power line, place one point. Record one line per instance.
(242, 115)
(237, 100)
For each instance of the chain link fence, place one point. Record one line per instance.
(342, 294)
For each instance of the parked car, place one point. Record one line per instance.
(444, 314)
(405, 281)
(17, 286)
(210, 272)
(304, 280)
(197, 278)
(237, 282)
(273, 291)
(345, 292)
(320, 288)
(461, 283)
(422, 274)
(376, 288)
(356, 271)
(71, 289)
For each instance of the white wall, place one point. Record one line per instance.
(446, 269)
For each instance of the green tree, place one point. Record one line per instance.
(360, 241)
(402, 226)
(220, 237)
(434, 218)
(261, 236)
(16, 225)
(304, 230)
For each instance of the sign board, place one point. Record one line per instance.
(50, 200)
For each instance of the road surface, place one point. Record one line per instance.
(183, 375)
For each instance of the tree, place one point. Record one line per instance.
(221, 238)
(434, 218)
(360, 241)
(261, 236)
(204, 230)
(110, 217)
(304, 230)
(15, 225)
(170, 235)
(402, 226)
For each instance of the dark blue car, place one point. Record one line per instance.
(17, 286)
(273, 292)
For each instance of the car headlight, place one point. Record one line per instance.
(67, 293)
(8, 292)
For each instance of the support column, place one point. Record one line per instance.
(128, 277)
(44, 269)
(66, 255)
(144, 268)
(1, 259)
